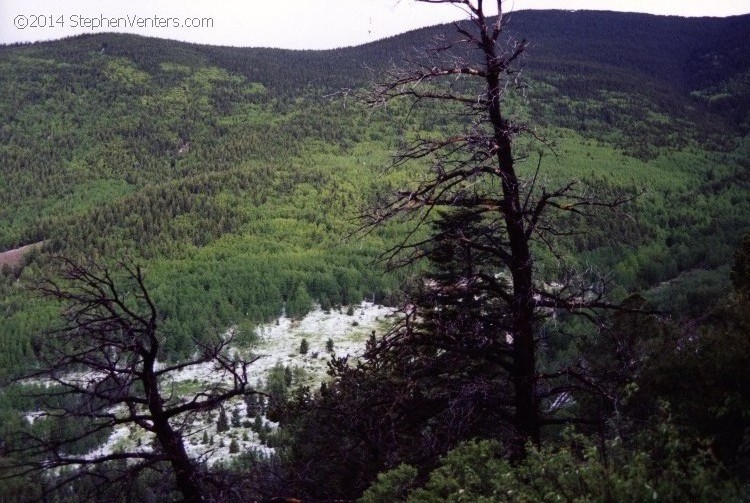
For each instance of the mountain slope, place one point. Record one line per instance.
(234, 176)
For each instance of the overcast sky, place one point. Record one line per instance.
(293, 24)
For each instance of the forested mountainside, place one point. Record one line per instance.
(236, 178)
(235, 173)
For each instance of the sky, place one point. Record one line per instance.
(289, 24)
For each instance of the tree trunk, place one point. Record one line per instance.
(527, 420)
(185, 473)
(186, 476)
(524, 346)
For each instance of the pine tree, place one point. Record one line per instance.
(251, 405)
(288, 376)
(222, 424)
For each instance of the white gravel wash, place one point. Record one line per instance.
(278, 343)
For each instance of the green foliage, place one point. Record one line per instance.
(477, 472)
(252, 406)
(236, 184)
(288, 373)
(19, 489)
(714, 403)
(391, 486)
(304, 347)
(236, 420)
(691, 294)
(299, 303)
(191, 167)
(276, 383)
(222, 424)
(234, 447)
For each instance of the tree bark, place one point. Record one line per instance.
(527, 420)
(186, 475)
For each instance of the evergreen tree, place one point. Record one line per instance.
(222, 424)
(465, 359)
(288, 375)
(300, 303)
(251, 405)
(488, 211)
(234, 447)
(276, 385)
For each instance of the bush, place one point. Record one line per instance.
(391, 485)
(476, 472)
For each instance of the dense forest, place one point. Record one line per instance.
(238, 178)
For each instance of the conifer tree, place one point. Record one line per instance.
(234, 447)
(222, 424)
(487, 209)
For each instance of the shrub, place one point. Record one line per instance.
(476, 472)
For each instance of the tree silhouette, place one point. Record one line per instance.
(491, 219)
(103, 370)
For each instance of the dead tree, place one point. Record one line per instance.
(476, 173)
(102, 371)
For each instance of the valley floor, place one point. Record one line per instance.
(278, 345)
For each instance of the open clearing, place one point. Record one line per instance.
(13, 258)
(278, 344)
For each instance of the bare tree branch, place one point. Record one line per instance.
(103, 371)
(473, 178)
